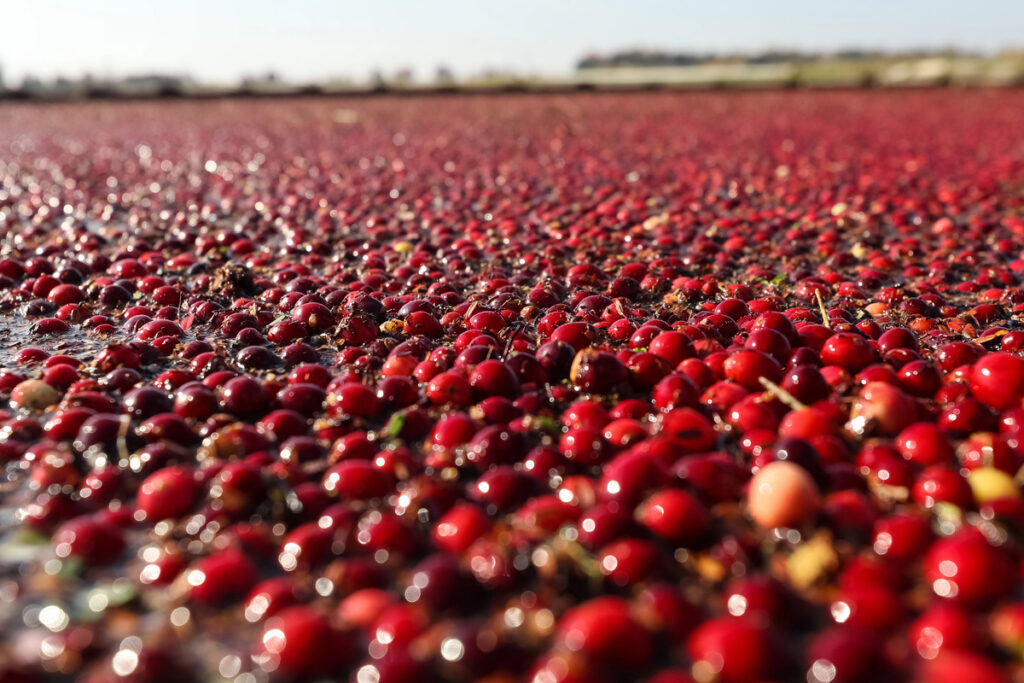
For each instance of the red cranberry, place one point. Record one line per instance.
(459, 527)
(167, 494)
(966, 569)
(604, 629)
(925, 444)
(849, 654)
(946, 627)
(223, 577)
(89, 539)
(849, 351)
(677, 516)
(737, 650)
(300, 642)
(997, 379)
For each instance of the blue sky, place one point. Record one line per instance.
(219, 40)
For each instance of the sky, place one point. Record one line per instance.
(307, 40)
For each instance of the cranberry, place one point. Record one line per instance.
(496, 445)
(674, 347)
(493, 378)
(848, 654)
(167, 494)
(301, 449)
(997, 379)
(629, 561)
(145, 401)
(904, 536)
(604, 629)
(677, 516)
(782, 494)
(925, 444)
(688, 429)
(952, 667)
(304, 399)
(938, 484)
(966, 569)
(849, 351)
(357, 479)
(225, 576)
(945, 627)
(353, 399)
(736, 650)
(89, 539)
(459, 527)
(300, 642)
(243, 396)
(747, 367)
(584, 446)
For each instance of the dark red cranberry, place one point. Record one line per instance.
(738, 649)
(604, 629)
(89, 539)
(966, 569)
(167, 494)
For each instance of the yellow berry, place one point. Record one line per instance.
(988, 483)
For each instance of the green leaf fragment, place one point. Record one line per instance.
(395, 425)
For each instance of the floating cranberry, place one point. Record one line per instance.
(997, 379)
(89, 539)
(167, 494)
(848, 654)
(782, 494)
(357, 479)
(925, 444)
(956, 667)
(300, 642)
(603, 628)
(34, 394)
(882, 407)
(945, 627)
(677, 516)
(849, 351)
(220, 578)
(353, 399)
(747, 367)
(966, 569)
(736, 650)
(459, 527)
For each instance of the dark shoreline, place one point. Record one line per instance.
(17, 97)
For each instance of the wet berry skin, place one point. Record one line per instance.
(997, 379)
(782, 494)
(966, 569)
(677, 516)
(89, 539)
(304, 643)
(739, 650)
(605, 629)
(167, 494)
(221, 578)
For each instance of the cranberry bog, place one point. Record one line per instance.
(713, 387)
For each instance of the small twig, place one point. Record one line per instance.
(516, 326)
(122, 438)
(781, 394)
(821, 307)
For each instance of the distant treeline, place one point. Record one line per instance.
(637, 58)
(636, 69)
